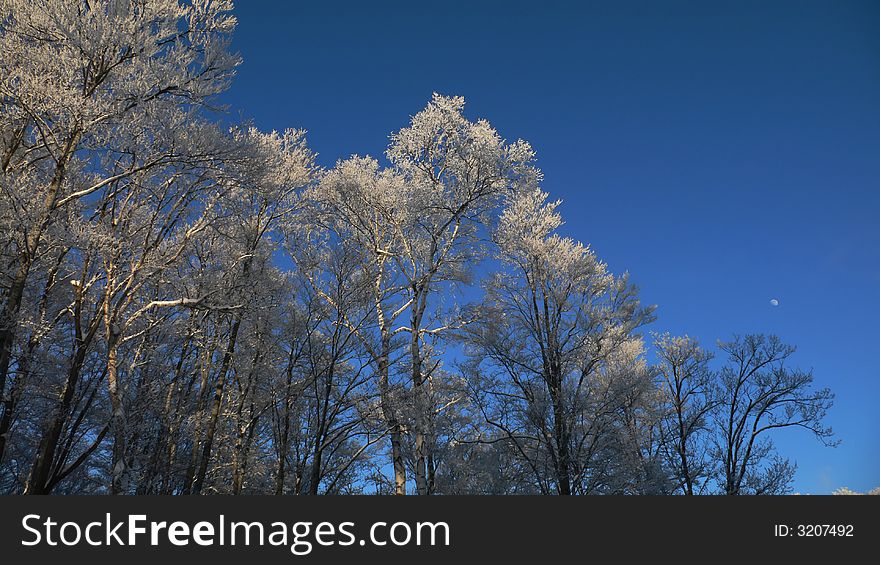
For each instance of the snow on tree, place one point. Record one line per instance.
(193, 308)
(550, 329)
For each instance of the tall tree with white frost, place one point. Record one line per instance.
(550, 322)
(688, 391)
(366, 207)
(457, 172)
(417, 225)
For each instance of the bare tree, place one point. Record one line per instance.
(758, 393)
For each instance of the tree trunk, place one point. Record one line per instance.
(202, 401)
(117, 418)
(8, 410)
(40, 472)
(172, 418)
(8, 321)
(34, 341)
(315, 475)
(390, 416)
(210, 431)
(283, 446)
(682, 449)
(9, 313)
(243, 453)
(420, 397)
(38, 482)
(560, 430)
(245, 434)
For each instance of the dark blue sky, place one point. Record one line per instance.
(725, 153)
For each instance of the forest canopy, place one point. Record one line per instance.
(192, 308)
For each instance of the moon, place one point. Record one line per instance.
(774, 302)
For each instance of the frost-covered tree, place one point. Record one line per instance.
(688, 400)
(364, 206)
(540, 348)
(632, 457)
(457, 172)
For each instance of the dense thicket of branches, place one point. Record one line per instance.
(186, 308)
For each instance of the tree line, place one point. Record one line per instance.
(190, 308)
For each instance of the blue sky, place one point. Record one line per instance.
(724, 153)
